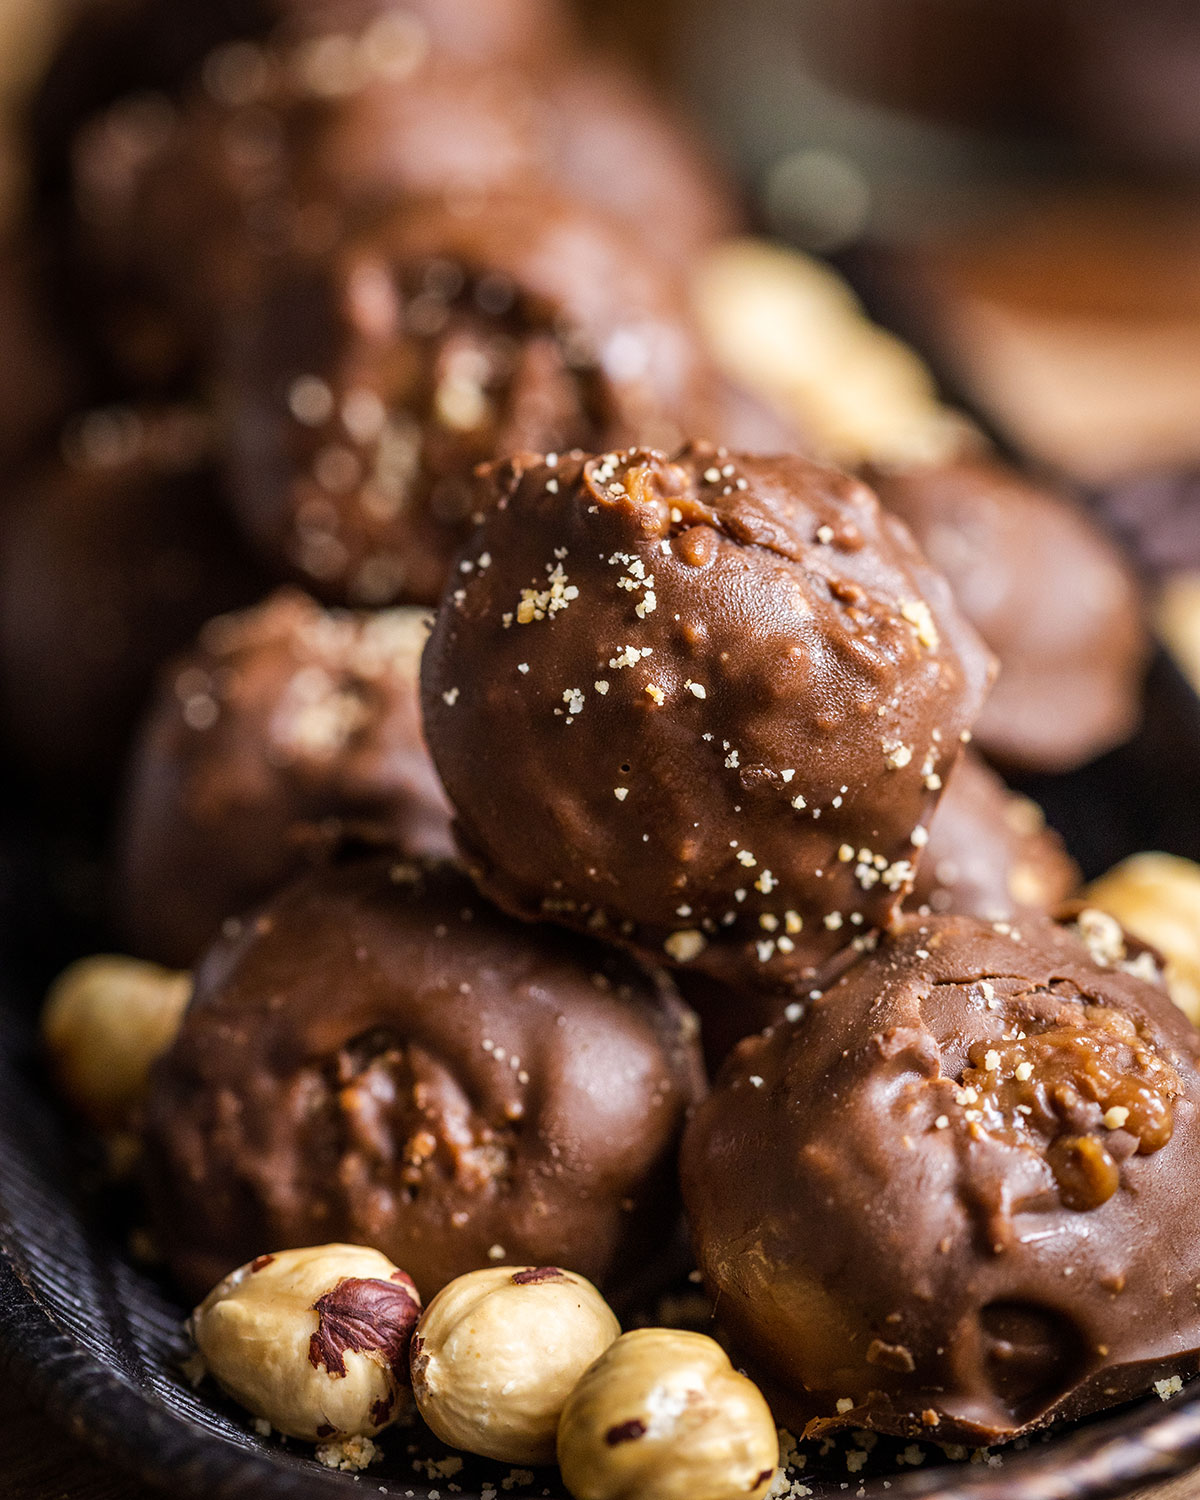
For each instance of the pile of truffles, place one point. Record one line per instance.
(551, 736)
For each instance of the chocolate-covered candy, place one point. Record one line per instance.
(115, 48)
(364, 389)
(953, 1199)
(296, 143)
(723, 694)
(110, 559)
(415, 1072)
(1051, 596)
(464, 31)
(184, 208)
(287, 730)
(989, 854)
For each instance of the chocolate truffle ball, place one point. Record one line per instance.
(989, 854)
(286, 731)
(467, 31)
(184, 208)
(115, 48)
(1051, 596)
(297, 143)
(612, 141)
(696, 703)
(953, 1200)
(110, 560)
(365, 389)
(414, 1072)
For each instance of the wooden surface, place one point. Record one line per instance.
(41, 1463)
(38, 1462)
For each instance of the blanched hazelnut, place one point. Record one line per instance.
(663, 1415)
(1177, 615)
(314, 1341)
(790, 329)
(1157, 897)
(498, 1351)
(105, 1022)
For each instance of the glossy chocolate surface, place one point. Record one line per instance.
(1048, 592)
(697, 703)
(379, 1057)
(951, 1199)
(287, 731)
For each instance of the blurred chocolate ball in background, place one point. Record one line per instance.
(416, 1072)
(110, 559)
(286, 732)
(363, 389)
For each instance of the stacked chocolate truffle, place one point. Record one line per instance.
(380, 307)
(931, 1198)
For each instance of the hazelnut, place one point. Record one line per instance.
(778, 322)
(663, 1415)
(498, 1351)
(315, 1341)
(1177, 614)
(1157, 898)
(105, 1022)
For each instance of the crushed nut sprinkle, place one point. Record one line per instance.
(685, 945)
(919, 616)
(538, 604)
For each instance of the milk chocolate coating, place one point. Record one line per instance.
(109, 562)
(287, 730)
(699, 704)
(1051, 596)
(953, 1200)
(115, 48)
(364, 390)
(298, 143)
(990, 855)
(414, 1072)
(184, 210)
(1158, 516)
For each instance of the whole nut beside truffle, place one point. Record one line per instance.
(1157, 898)
(663, 1415)
(106, 1020)
(313, 1341)
(498, 1352)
